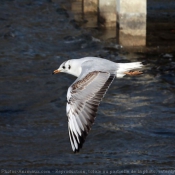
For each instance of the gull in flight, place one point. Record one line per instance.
(95, 75)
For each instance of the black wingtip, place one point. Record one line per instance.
(76, 151)
(82, 140)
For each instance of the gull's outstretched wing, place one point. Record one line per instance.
(84, 97)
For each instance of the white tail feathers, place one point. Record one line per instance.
(125, 67)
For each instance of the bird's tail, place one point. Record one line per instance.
(125, 69)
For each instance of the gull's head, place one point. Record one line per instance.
(69, 67)
(64, 67)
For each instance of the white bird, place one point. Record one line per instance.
(95, 75)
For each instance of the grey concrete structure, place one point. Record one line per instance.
(107, 13)
(131, 20)
(128, 17)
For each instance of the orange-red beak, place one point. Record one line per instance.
(56, 71)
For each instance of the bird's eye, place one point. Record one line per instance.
(69, 67)
(63, 67)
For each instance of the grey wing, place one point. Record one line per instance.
(84, 97)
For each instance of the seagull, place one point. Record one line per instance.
(95, 75)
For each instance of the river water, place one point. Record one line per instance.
(134, 132)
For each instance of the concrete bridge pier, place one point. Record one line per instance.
(107, 13)
(131, 22)
(90, 13)
(77, 9)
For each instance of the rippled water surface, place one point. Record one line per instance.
(135, 125)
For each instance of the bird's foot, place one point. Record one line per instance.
(132, 73)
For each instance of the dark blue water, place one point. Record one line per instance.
(134, 132)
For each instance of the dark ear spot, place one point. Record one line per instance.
(69, 67)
